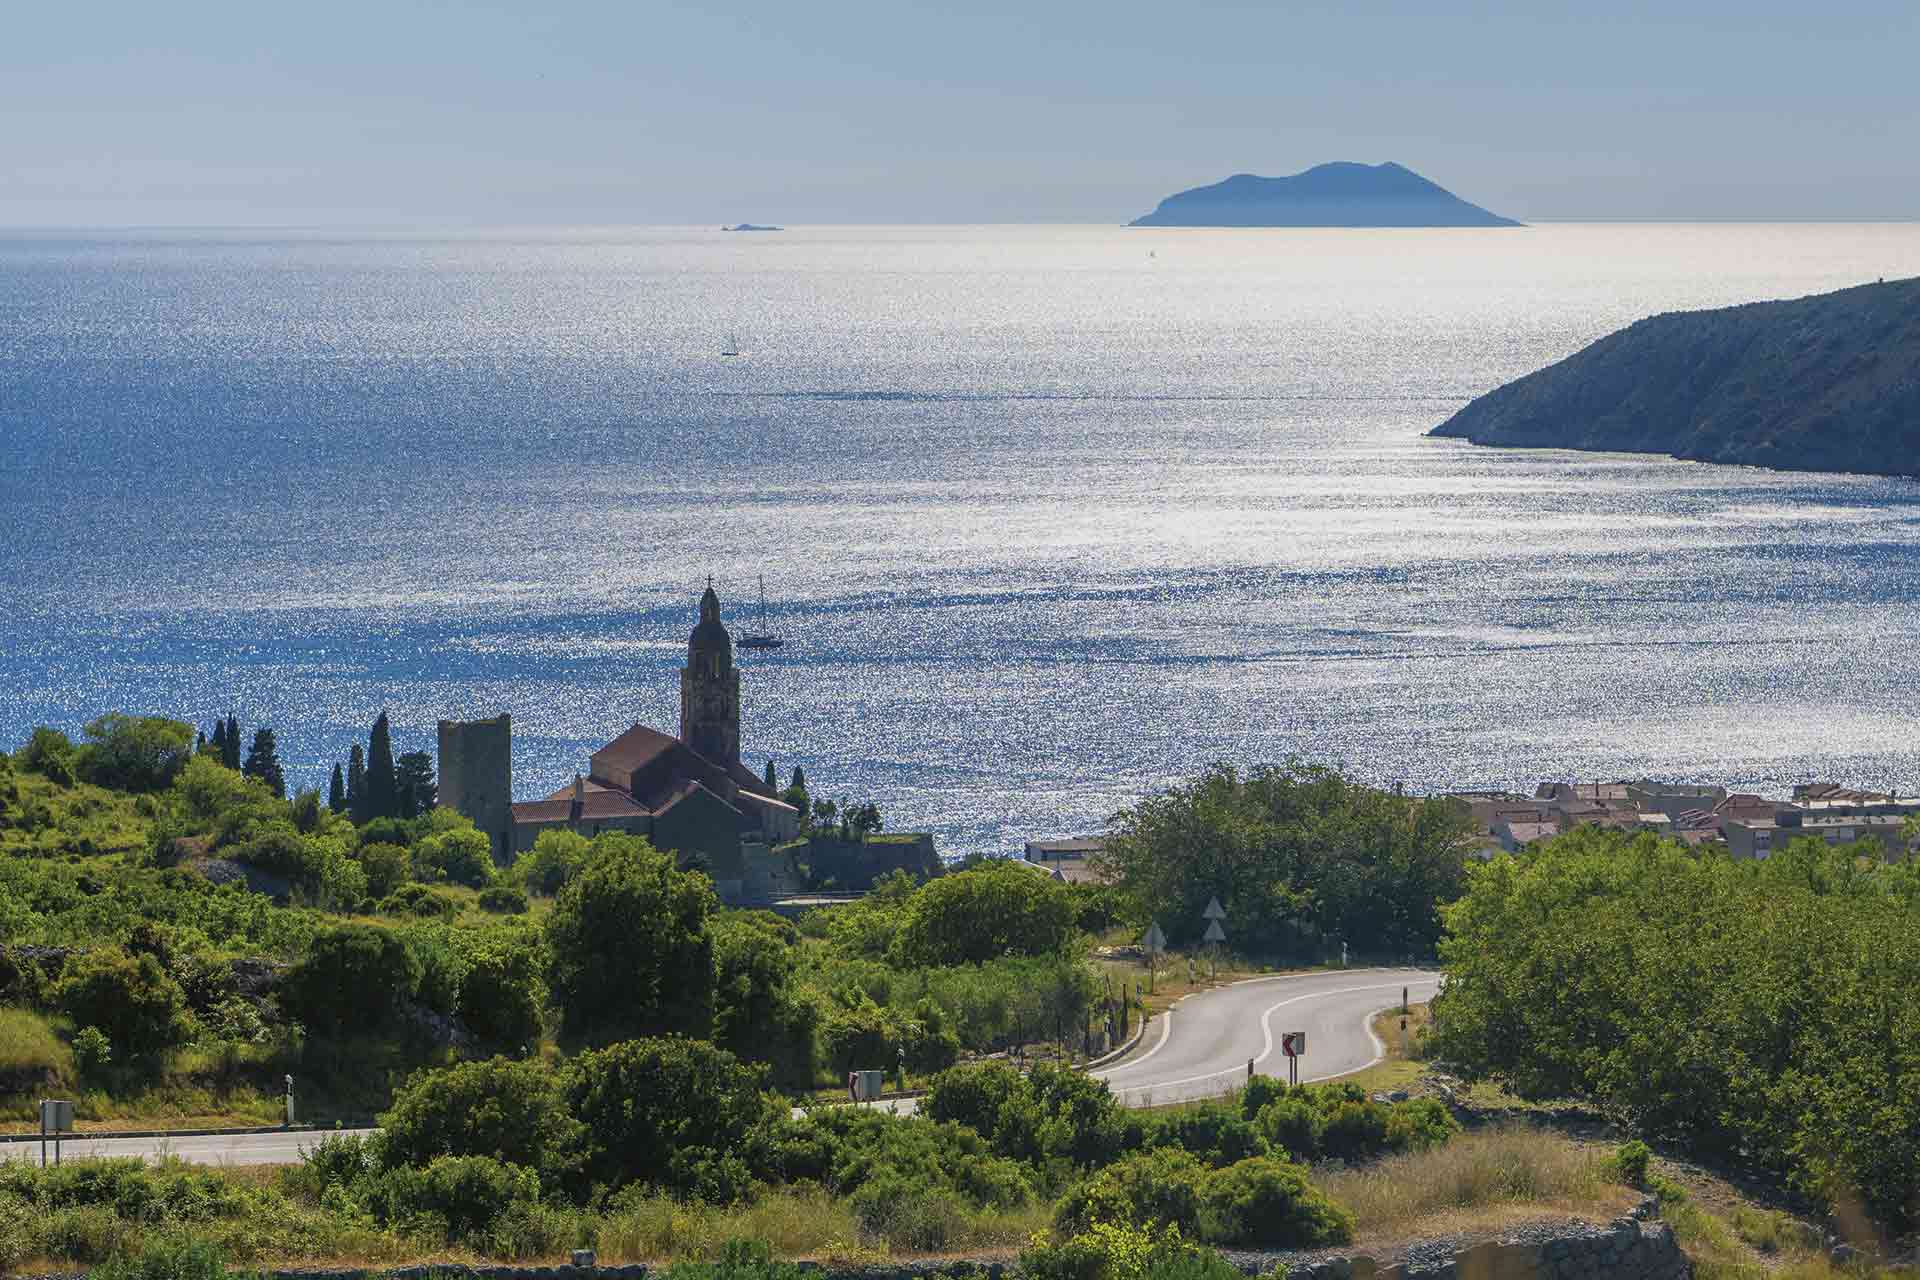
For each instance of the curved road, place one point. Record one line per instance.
(1198, 1049)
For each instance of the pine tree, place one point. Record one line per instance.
(263, 762)
(413, 780)
(772, 786)
(231, 747)
(357, 784)
(337, 791)
(383, 791)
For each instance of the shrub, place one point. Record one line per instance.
(670, 1111)
(739, 1260)
(1213, 1131)
(983, 914)
(50, 754)
(895, 1211)
(1630, 1160)
(352, 976)
(1419, 1124)
(631, 952)
(466, 1197)
(166, 1259)
(503, 899)
(137, 753)
(388, 866)
(1270, 1202)
(1124, 1251)
(556, 857)
(502, 993)
(1048, 1113)
(847, 1149)
(510, 1111)
(131, 999)
(1153, 1189)
(420, 901)
(92, 1052)
(464, 856)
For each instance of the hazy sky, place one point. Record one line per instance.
(122, 112)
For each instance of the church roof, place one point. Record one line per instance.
(633, 750)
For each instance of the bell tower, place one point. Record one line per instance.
(710, 688)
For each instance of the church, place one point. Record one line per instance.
(688, 794)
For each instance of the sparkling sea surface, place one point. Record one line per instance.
(1049, 516)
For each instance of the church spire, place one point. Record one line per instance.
(710, 687)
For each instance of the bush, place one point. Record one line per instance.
(50, 754)
(739, 1260)
(897, 1212)
(92, 1052)
(166, 1259)
(352, 977)
(137, 753)
(387, 866)
(1630, 1160)
(1124, 1251)
(980, 915)
(131, 999)
(1270, 1202)
(502, 993)
(631, 952)
(419, 901)
(1047, 1114)
(466, 1197)
(1154, 1189)
(503, 900)
(556, 857)
(669, 1112)
(848, 1149)
(463, 855)
(509, 1111)
(1213, 1131)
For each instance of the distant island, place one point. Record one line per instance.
(751, 226)
(1824, 383)
(1340, 194)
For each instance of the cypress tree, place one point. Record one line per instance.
(772, 786)
(357, 784)
(201, 745)
(413, 778)
(799, 778)
(337, 791)
(383, 788)
(230, 749)
(263, 762)
(220, 739)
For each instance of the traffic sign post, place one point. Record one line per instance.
(1294, 1045)
(56, 1118)
(1155, 943)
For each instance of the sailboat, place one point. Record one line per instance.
(732, 345)
(761, 639)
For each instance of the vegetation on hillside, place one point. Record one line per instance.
(1766, 1010)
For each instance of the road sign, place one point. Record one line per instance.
(1214, 910)
(1293, 1043)
(1155, 941)
(865, 1086)
(1214, 932)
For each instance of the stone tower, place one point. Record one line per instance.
(476, 776)
(710, 688)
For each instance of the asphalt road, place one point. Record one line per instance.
(1199, 1049)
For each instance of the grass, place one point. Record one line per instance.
(1402, 1065)
(1477, 1181)
(29, 1046)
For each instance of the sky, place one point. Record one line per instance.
(570, 112)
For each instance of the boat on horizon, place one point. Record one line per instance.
(731, 347)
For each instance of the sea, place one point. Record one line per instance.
(1050, 518)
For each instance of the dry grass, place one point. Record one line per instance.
(29, 1044)
(1478, 1180)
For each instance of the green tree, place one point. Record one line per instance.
(137, 753)
(357, 784)
(387, 866)
(355, 977)
(220, 739)
(463, 855)
(504, 991)
(382, 785)
(336, 791)
(760, 1012)
(414, 784)
(50, 754)
(773, 786)
(632, 955)
(230, 749)
(556, 857)
(263, 762)
(980, 915)
(133, 999)
(671, 1112)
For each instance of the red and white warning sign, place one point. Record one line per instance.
(1293, 1043)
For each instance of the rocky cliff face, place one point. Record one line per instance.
(1826, 383)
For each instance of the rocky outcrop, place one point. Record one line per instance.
(1825, 383)
(1340, 194)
